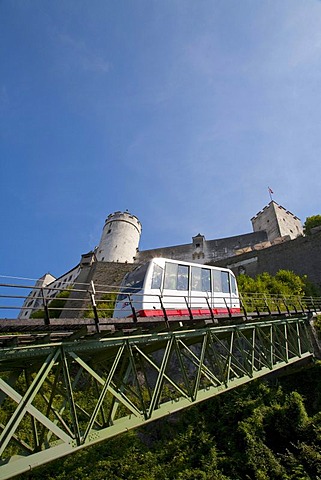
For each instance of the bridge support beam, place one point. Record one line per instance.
(58, 398)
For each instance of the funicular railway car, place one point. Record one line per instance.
(181, 288)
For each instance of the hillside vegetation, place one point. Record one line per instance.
(284, 282)
(264, 430)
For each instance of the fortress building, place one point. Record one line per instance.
(274, 224)
(277, 222)
(118, 250)
(120, 238)
(48, 286)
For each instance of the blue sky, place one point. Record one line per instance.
(181, 111)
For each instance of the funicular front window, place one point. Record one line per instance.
(133, 281)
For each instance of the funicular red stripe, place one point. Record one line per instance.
(185, 312)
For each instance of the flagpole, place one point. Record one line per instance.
(270, 193)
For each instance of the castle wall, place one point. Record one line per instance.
(104, 275)
(301, 255)
(204, 251)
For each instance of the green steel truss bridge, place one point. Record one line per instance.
(69, 384)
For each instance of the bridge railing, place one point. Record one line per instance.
(97, 302)
(279, 304)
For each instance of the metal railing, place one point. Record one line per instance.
(96, 301)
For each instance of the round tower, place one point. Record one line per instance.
(120, 238)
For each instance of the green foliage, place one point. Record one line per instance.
(310, 289)
(55, 306)
(38, 314)
(283, 290)
(284, 282)
(317, 324)
(260, 431)
(105, 306)
(310, 223)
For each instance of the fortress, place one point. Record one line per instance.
(118, 251)
(121, 234)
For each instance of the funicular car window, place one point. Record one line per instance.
(170, 282)
(157, 277)
(133, 282)
(225, 282)
(196, 279)
(206, 280)
(201, 279)
(217, 281)
(233, 285)
(182, 277)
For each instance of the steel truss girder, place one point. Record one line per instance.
(58, 398)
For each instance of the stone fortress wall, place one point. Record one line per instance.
(204, 251)
(101, 274)
(301, 255)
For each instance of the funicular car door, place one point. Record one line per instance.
(175, 288)
(152, 298)
(221, 291)
(201, 291)
(235, 301)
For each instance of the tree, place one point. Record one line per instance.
(310, 223)
(266, 291)
(285, 282)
